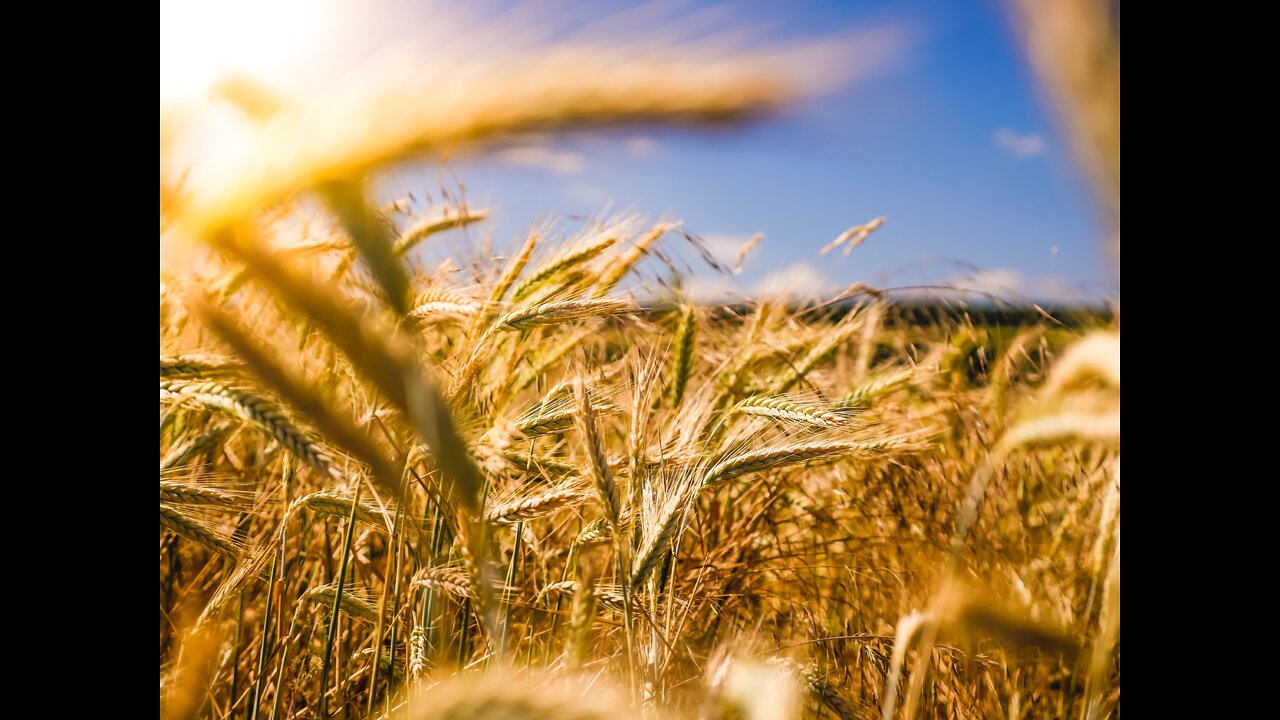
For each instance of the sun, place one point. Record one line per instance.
(201, 42)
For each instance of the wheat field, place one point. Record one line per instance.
(537, 482)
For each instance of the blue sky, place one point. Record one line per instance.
(950, 139)
(941, 130)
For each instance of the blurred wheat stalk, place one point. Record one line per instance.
(1075, 47)
(388, 110)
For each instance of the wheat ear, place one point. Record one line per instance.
(686, 337)
(195, 366)
(174, 492)
(757, 460)
(449, 219)
(197, 532)
(781, 408)
(253, 408)
(533, 506)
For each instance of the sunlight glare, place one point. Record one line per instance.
(200, 42)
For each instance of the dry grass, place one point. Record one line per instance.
(801, 526)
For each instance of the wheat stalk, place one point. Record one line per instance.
(654, 549)
(619, 268)
(560, 312)
(174, 492)
(195, 366)
(417, 652)
(203, 442)
(199, 533)
(252, 567)
(598, 466)
(258, 410)
(686, 336)
(782, 408)
(818, 354)
(449, 580)
(570, 258)
(533, 506)
(384, 113)
(876, 387)
(333, 503)
(351, 604)
(597, 530)
(752, 461)
(556, 414)
(439, 301)
(538, 464)
(447, 219)
(609, 599)
(544, 361)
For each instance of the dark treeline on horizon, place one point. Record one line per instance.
(917, 313)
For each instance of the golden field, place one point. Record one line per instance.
(535, 482)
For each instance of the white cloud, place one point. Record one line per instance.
(998, 281)
(1011, 284)
(724, 246)
(1019, 144)
(800, 280)
(558, 161)
(711, 289)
